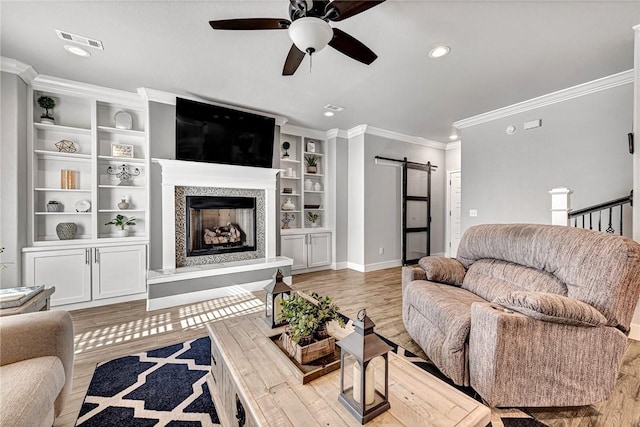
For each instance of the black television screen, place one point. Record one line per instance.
(209, 133)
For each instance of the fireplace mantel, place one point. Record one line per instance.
(196, 174)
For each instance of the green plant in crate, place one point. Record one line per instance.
(308, 316)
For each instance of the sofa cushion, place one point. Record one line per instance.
(491, 278)
(28, 391)
(599, 269)
(438, 318)
(552, 308)
(443, 270)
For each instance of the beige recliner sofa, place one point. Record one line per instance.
(36, 367)
(528, 315)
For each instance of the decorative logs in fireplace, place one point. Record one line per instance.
(223, 235)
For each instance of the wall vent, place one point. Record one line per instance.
(85, 41)
(334, 108)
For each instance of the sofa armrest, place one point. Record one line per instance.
(439, 269)
(44, 333)
(552, 308)
(512, 355)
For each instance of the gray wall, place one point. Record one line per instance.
(13, 185)
(338, 150)
(383, 197)
(162, 141)
(582, 145)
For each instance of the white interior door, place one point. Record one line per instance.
(455, 211)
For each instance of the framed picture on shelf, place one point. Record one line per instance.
(311, 146)
(122, 150)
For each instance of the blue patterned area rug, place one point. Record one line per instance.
(162, 387)
(167, 387)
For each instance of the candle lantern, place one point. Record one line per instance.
(358, 390)
(276, 291)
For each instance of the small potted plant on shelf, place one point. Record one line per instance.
(47, 103)
(54, 206)
(121, 222)
(312, 163)
(306, 337)
(313, 218)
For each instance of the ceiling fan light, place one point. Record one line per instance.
(310, 34)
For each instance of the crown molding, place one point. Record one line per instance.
(163, 97)
(453, 145)
(301, 131)
(370, 130)
(25, 71)
(337, 133)
(86, 90)
(583, 89)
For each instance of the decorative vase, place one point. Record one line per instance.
(308, 184)
(123, 204)
(54, 207)
(66, 230)
(288, 205)
(122, 232)
(317, 186)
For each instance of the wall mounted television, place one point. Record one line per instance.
(214, 134)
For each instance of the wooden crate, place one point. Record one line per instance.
(311, 352)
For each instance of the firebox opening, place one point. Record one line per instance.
(220, 225)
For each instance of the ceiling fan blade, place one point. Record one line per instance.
(347, 8)
(343, 42)
(294, 58)
(250, 24)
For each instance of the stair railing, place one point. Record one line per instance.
(611, 216)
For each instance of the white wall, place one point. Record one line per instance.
(356, 202)
(582, 145)
(13, 166)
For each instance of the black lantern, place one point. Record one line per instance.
(358, 391)
(276, 291)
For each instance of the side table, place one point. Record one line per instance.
(39, 302)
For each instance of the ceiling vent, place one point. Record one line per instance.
(334, 108)
(85, 41)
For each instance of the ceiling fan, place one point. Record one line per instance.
(309, 29)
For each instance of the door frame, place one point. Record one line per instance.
(447, 217)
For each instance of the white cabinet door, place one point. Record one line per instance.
(119, 270)
(69, 270)
(294, 247)
(319, 249)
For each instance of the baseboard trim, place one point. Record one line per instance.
(339, 265)
(99, 302)
(634, 333)
(374, 267)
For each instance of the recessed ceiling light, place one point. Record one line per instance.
(453, 136)
(329, 113)
(76, 50)
(439, 51)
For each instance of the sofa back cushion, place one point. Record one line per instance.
(492, 278)
(600, 269)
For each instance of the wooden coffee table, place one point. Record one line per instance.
(253, 384)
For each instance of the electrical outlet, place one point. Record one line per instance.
(473, 212)
(380, 251)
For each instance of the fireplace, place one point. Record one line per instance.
(220, 225)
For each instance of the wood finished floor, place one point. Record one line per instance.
(104, 333)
